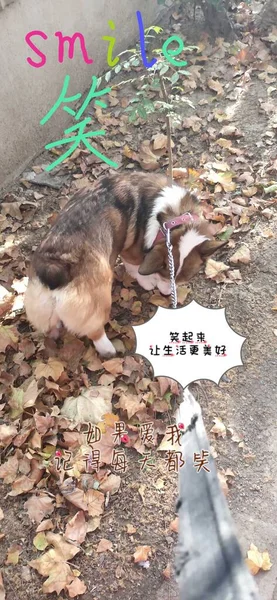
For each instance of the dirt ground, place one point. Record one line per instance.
(245, 399)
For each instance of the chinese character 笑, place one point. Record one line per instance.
(174, 461)
(93, 434)
(119, 431)
(220, 350)
(92, 460)
(147, 433)
(174, 434)
(156, 352)
(119, 462)
(187, 336)
(201, 461)
(194, 350)
(174, 336)
(207, 350)
(201, 337)
(79, 129)
(146, 461)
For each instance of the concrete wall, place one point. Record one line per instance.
(27, 93)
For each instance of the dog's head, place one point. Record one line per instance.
(192, 243)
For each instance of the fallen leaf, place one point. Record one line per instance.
(160, 141)
(241, 255)
(130, 403)
(40, 541)
(104, 545)
(257, 560)
(76, 528)
(76, 588)
(111, 484)
(38, 507)
(223, 178)
(219, 428)
(89, 406)
(95, 503)
(45, 525)
(147, 159)
(13, 554)
(53, 563)
(54, 368)
(214, 268)
(230, 130)
(8, 337)
(167, 572)
(130, 529)
(216, 86)
(114, 366)
(142, 553)
(174, 525)
(7, 433)
(250, 191)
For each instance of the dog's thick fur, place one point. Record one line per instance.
(71, 273)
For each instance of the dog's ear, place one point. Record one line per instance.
(208, 247)
(153, 261)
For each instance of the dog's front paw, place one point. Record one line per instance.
(147, 282)
(105, 347)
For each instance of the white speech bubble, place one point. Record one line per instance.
(187, 364)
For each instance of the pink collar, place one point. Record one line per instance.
(187, 217)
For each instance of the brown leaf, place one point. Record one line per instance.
(13, 554)
(53, 564)
(95, 503)
(224, 179)
(76, 528)
(45, 525)
(38, 507)
(8, 337)
(111, 484)
(174, 525)
(7, 433)
(250, 191)
(76, 588)
(147, 159)
(54, 368)
(8, 470)
(257, 560)
(160, 141)
(130, 403)
(142, 553)
(216, 86)
(214, 268)
(167, 572)
(242, 255)
(114, 366)
(104, 545)
(230, 130)
(218, 428)
(193, 122)
(130, 529)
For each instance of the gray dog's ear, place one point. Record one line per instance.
(153, 261)
(208, 247)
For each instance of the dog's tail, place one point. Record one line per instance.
(53, 272)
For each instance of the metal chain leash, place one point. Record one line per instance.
(171, 267)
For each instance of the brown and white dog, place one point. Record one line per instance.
(71, 273)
